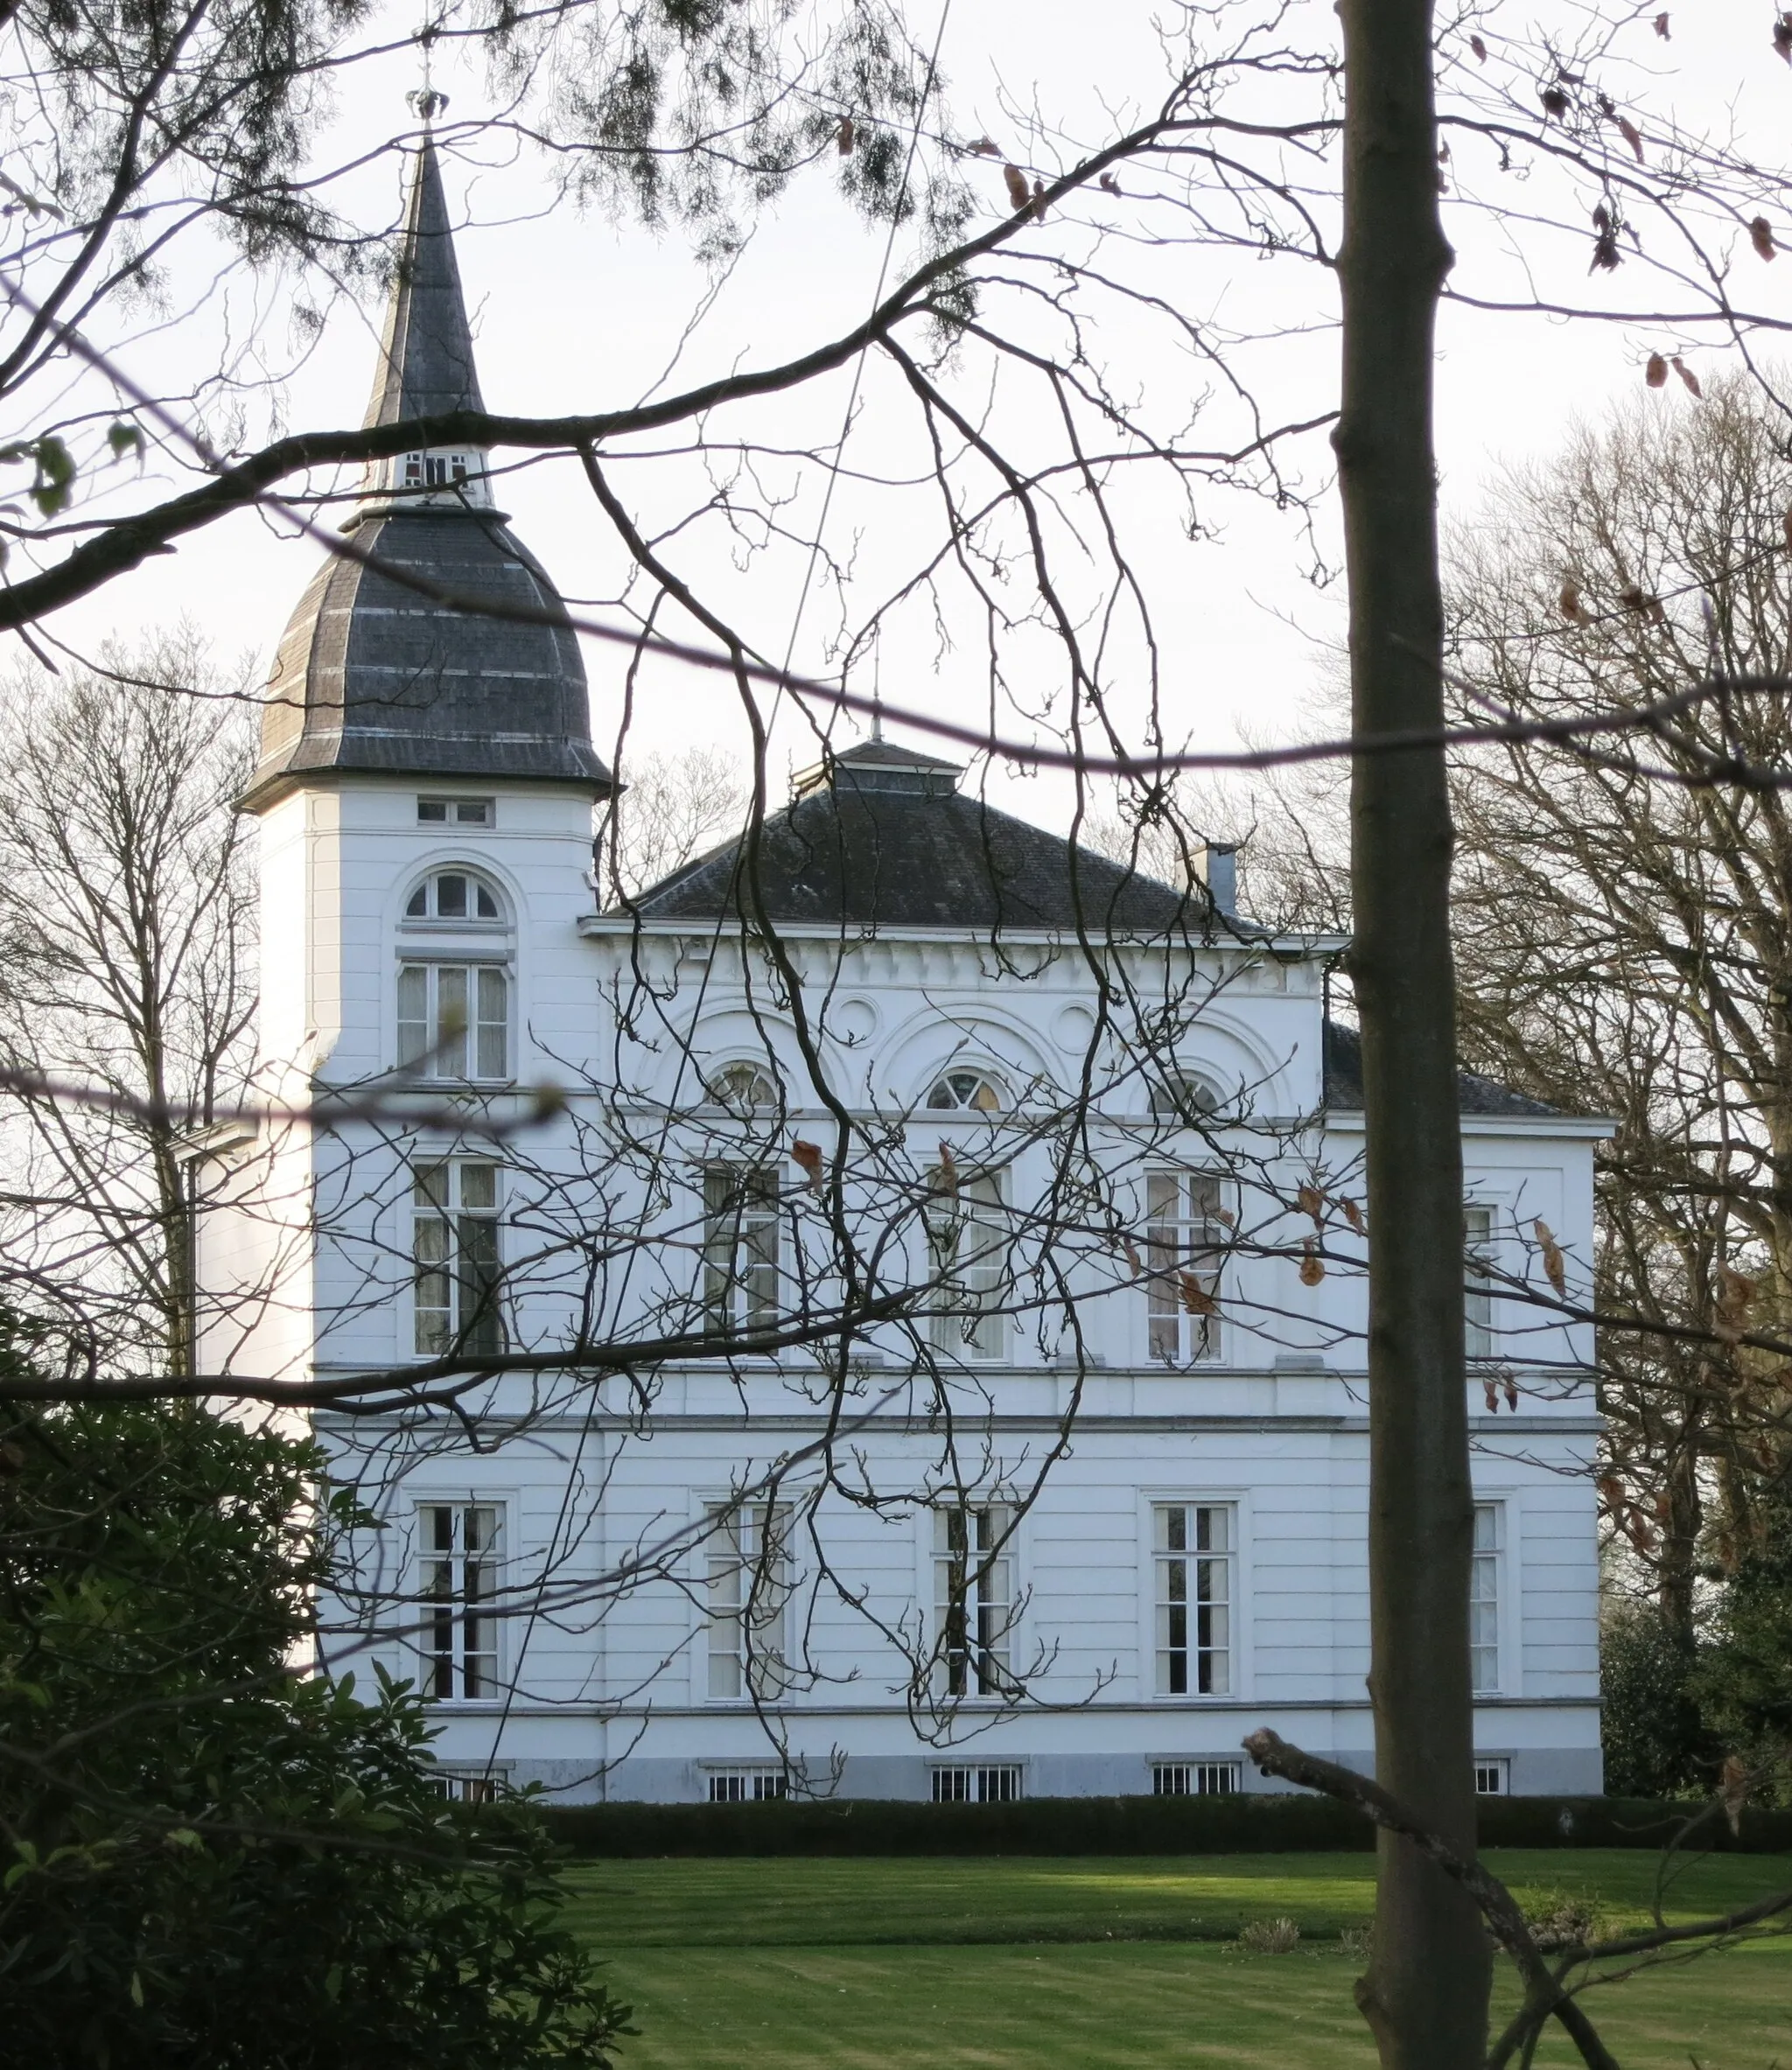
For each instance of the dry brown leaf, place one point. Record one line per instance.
(947, 1174)
(1019, 194)
(843, 136)
(1225, 1215)
(1655, 374)
(1490, 1395)
(1662, 28)
(1195, 1298)
(1569, 604)
(985, 147)
(1353, 1214)
(1109, 184)
(1555, 1265)
(1511, 1394)
(1632, 136)
(1310, 1201)
(1686, 375)
(1039, 200)
(1782, 37)
(808, 1155)
(1760, 236)
(1611, 1491)
(1312, 1267)
(1555, 101)
(1479, 48)
(1132, 1258)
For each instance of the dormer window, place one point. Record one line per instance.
(965, 1092)
(434, 470)
(455, 812)
(454, 895)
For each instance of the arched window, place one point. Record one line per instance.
(455, 895)
(740, 1087)
(965, 1092)
(1184, 1098)
(454, 1011)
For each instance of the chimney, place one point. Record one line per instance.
(1218, 868)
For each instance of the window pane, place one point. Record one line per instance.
(479, 1184)
(451, 895)
(413, 1015)
(487, 904)
(493, 1023)
(450, 1021)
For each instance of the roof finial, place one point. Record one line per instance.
(878, 694)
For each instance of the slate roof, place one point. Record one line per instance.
(1475, 1094)
(374, 676)
(882, 837)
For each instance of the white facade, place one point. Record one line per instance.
(920, 1351)
(595, 1686)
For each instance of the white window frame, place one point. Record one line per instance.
(978, 1782)
(468, 1782)
(460, 1563)
(1184, 1257)
(457, 1253)
(454, 1016)
(1493, 1775)
(744, 1785)
(743, 1264)
(969, 1249)
(1481, 1228)
(748, 1583)
(973, 1548)
(1487, 1592)
(1186, 1777)
(1194, 1633)
(456, 809)
(474, 921)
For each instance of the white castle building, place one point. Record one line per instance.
(923, 1355)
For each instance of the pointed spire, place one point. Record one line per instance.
(426, 359)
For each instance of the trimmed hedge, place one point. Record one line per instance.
(1254, 1824)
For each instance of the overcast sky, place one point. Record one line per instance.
(578, 313)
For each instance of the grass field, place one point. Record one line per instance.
(1087, 1964)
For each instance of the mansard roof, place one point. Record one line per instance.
(380, 675)
(881, 836)
(1474, 1094)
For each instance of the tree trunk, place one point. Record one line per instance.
(1425, 1995)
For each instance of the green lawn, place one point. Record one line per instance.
(1091, 1964)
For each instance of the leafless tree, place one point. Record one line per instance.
(128, 972)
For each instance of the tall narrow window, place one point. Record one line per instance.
(749, 1592)
(454, 1253)
(974, 1598)
(454, 1020)
(968, 1243)
(1184, 1246)
(1484, 1600)
(740, 1247)
(458, 1545)
(1194, 1592)
(1478, 1286)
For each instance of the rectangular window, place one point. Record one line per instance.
(1185, 1245)
(456, 812)
(458, 1548)
(1194, 1779)
(748, 1786)
(454, 1020)
(968, 1785)
(968, 1246)
(1484, 1599)
(974, 1598)
(740, 1247)
(1493, 1779)
(457, 1281)
(1194, 1593)
(469, 1786)
(749, 1585)
(1478, 1286)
